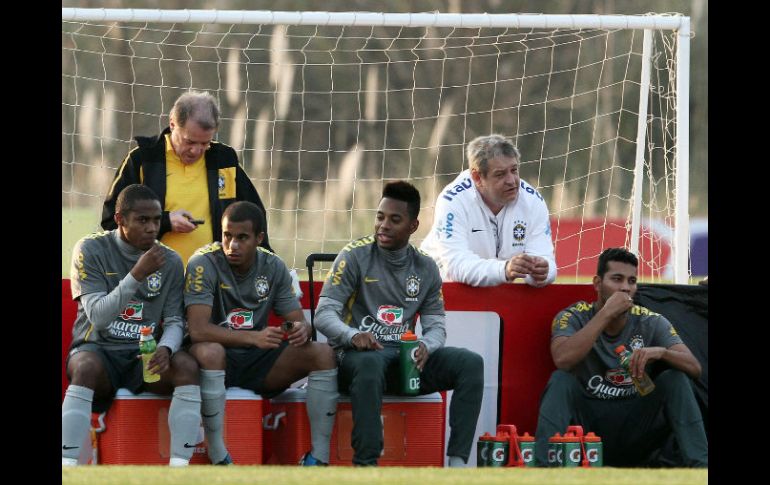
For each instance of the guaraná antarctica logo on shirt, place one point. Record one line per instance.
(412, 287)
(618, 377)
(132, 311)
(121, 329)
(615, 384)
(154, 283)
(388, 325)
(262, 286)
(240, 319)
(390, 315)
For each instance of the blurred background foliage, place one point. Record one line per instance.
(696, 9)
(570, 111)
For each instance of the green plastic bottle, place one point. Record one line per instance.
(410, 374)
(147, 348)
(644, 385)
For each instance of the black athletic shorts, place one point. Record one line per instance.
(248, 367)
(123, 370)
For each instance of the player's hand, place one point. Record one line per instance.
(519, 266)
(180, 221)
(149, 262)
(299, 334)
(539, 269)
(641, 357)
(617, 304)
(421, 356)
(160, 361)
(268, 338)
(365, 341)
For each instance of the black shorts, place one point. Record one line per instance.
(248, 367)
(124, 370)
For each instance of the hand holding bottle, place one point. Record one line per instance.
(643, 384)
(160, 361)
(641, 357)
(147, 347)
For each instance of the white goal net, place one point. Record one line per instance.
(323, 109)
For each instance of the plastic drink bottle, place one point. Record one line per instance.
(644, 384)
(147, 348)
(410, 374)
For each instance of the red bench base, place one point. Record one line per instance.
(136, 430)
(413, 426)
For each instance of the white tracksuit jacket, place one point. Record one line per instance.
(462, 239)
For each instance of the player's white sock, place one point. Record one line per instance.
(75, 420)
(213, 412)
(184, 417)
(456, 462)
(321, 408)
(176, 462)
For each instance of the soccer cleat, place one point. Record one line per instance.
(310, 460)
(227, 460)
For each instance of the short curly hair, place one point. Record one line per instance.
(130, 195)
(406, 192)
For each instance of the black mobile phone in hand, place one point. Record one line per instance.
(197, 222)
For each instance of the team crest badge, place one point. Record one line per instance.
(519, 230)
(637, 342)
(413, 286)
(221, 183)
(153, 282)
(262, 286)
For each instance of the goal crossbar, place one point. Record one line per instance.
(366, 19)
(676, 23)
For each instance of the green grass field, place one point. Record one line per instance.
(276, 475)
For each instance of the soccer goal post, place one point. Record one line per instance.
(323, 108)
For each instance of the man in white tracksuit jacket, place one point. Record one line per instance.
(491, 227)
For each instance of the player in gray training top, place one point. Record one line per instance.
(375, 289)
(124, 280)
(590, 387)
(230, 288)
